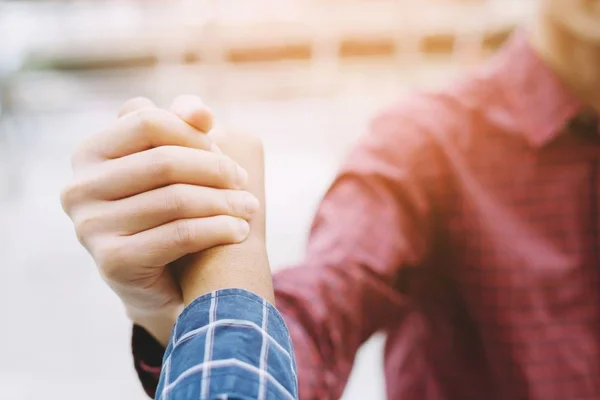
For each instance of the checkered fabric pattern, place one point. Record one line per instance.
(229, 344)
(466, 225)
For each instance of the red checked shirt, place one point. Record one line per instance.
(466, 226)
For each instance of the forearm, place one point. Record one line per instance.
(244, 266)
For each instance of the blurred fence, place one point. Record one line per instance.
(213, 35)
(64, 56)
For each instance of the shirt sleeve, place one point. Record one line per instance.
(370, 234)
(229, 344)
(370, 238)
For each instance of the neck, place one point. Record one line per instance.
(575, 62)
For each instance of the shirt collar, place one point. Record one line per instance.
(542, 105)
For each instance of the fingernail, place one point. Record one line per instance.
(243, 229)
(242, 177)
(251, 204)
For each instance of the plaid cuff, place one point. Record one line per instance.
(229, 344)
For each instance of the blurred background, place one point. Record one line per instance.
(305, 75)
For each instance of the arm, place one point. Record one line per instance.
(229, 344)
(374, 223)
(373, 226)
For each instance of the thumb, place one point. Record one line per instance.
(192, 110)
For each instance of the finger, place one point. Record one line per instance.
(158, 207)
(137, 103)
(192, 110)
(141, 130)
(159, 167)
(166, 243)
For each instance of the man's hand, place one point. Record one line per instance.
(149, 190)
(244, 265)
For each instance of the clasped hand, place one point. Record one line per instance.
(169, 212)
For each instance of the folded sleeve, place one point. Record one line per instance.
(229, 344)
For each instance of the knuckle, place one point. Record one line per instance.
(109, 258)
(226, 170)
(85, 226)
(65, 199)
(147, 119)
(231, 203)
(203, 142)
(175, 200)
(162, 162)
(72, 194)
(184, 234)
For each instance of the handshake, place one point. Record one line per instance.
(168, 212)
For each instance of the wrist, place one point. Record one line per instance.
(242, 266)
(158, 323)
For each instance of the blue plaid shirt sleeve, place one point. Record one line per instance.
(229, 344)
